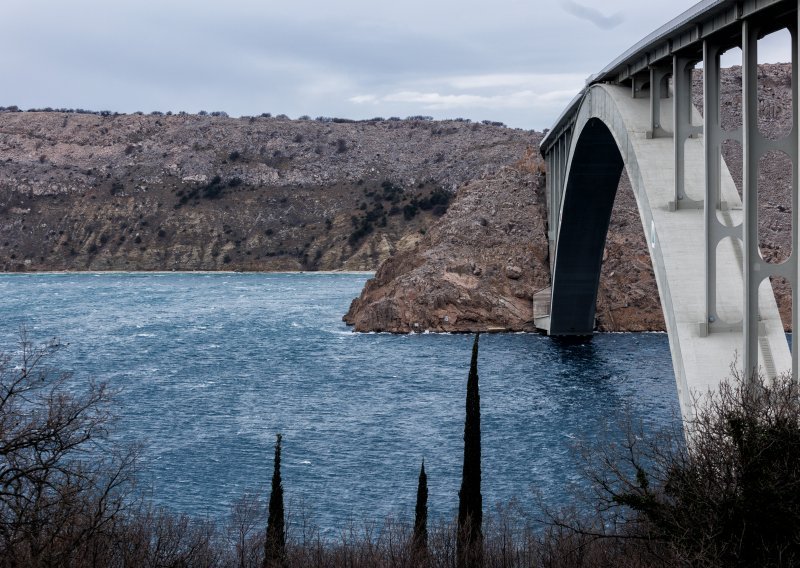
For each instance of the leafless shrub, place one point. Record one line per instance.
(60, 487)
(728, 497)
(155, 537)
(245, 532)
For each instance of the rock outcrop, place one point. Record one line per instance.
(475, 270)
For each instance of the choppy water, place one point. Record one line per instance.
(211, 366)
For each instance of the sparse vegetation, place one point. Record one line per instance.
(154, 164)
(728, 497)
(394, 195)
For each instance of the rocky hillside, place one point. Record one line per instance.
(187, 192)
(452, 212)
(479, 265)
(476, 269)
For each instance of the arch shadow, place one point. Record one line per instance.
(594, 173)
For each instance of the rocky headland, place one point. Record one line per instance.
(475, 269)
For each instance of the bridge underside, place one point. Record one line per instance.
(586, 213)
(611, 130)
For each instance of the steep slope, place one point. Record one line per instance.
(475, 270)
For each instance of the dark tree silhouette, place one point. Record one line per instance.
(470, 502)
(724, 492)
(421, 518)
(61, 489)
(275, 545)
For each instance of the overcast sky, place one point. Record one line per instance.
(515, 61)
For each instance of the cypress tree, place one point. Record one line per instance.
(469, 542)
(275, 545)
(420, 542)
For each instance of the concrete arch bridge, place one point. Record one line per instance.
(702, 233)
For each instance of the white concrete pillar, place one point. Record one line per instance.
(711, 128)
(659, 90)
(683, 128)
(751, 149)
(793, 277)
(715, 230)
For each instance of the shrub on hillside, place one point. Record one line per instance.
(730, 496)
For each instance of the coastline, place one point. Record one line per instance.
(89, 272)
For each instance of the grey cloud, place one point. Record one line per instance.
(333, 59)
(592, 15)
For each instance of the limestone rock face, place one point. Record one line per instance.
(474, 270)
(188, 192)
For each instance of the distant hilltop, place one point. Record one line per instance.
(325, 119)
(105, 191)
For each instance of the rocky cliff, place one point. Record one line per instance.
(476, 269)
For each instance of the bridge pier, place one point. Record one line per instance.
(683, 126)
(659, 90)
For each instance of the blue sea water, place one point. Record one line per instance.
(210, 366)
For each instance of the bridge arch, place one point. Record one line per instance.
(601, 147)
(612, 130)
(593, 174)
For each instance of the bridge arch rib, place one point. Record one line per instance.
(593, 176)
(611, 130)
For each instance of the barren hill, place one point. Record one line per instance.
(186, 192)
